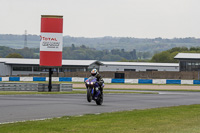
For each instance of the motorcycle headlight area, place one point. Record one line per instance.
(90, 83)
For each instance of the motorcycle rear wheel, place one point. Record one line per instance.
(99, 100)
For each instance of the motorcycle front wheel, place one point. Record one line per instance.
(89, 95)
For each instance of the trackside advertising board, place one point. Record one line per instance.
(51, 40)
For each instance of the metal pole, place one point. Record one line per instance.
(25, 39)
(50, 85)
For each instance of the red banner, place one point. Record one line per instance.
(51, 40)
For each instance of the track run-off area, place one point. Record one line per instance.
(15, 108)
(146, 87)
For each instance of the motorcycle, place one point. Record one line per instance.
(93, 92)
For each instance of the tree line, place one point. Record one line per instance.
(73, 52)
(146, 47)
(168, 55)
(85, 53)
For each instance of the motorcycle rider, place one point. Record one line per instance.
(100, 81)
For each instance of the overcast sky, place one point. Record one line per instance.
(98, 18)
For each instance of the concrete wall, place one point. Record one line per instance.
(5, 69)
(26, 72)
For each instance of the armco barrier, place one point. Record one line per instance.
(5, 78)
(14, 78)
(159, 81)
(65, 87)
(55, 87)
(196, 82)
(172, 81)
(66, 79)
(77, 79)
(53, 79)
(117, 80)
(133, 81)
(5, 86)
(106, 80)
(187, 82)
(145, 81)
(26, 78)
(44, 87)
(39, 78)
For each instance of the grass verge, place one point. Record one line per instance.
(32, 93)
(181, 119)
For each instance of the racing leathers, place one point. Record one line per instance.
(100, 82)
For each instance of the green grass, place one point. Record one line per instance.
(32, 93)
(181, 119)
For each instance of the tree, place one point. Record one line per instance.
(163, 57)
(146, 55)
(133, 54)
(178, 49)
(194, 48)
(139, 55)
(73, 47)
(14, 55)
(83, 47)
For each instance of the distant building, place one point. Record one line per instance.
(138, 66)
(20, 66)
(188, 61)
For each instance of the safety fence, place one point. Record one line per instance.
(18, 86)
(106, 80)
(40, 87)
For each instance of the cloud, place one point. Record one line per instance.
(94, 18)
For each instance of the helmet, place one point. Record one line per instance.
(94, 72)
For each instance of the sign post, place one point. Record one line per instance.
(50, 75)
(51, 43)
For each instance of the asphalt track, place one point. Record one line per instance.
(31, 107)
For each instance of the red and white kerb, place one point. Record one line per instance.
(51, 40)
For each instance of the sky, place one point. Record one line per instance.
(99, 18)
